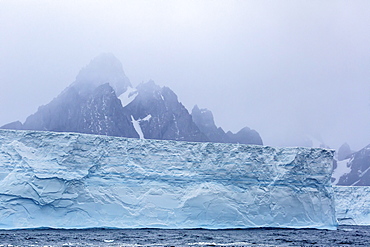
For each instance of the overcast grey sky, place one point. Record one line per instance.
(284, 68)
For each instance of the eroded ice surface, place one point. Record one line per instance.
(352, 205)
(67, 180)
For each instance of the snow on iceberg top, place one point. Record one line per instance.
(72, 155)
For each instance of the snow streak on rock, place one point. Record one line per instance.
(137, 127)
(128, 96)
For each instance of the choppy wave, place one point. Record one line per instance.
(344, 236)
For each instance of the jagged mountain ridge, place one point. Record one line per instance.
(203, 118)
(97, 113)
(355, 169)
(102, 101)
(161, 115)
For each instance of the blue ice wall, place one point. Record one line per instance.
(352, 205)
(69, 180)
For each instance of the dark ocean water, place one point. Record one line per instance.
(344, 236)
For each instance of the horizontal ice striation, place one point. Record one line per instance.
(352, 205)
(69, 180)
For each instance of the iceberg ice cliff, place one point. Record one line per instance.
(352, 205)
(69, 180)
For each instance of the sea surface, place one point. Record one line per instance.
(344, 236)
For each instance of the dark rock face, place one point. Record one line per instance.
(90, 105)
(57, 115)
(359, 164)
(344, 152)
(161, 115)
(203, 118)
(103, 114)
(17, 125)
(245, 136)
(98, 113)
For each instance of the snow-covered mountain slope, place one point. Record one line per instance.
(71, 180)
(340, 169)
(355, 170)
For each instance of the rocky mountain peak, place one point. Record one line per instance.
(102, 101)
(160, 115)
(344, 152)
(355, 168)
(105, 68)
(203, 117)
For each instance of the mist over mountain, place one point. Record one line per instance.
(102, 101)
(105, 68)
(344, 152)
(92, 105)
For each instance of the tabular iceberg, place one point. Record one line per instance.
(352, 205)
(69, 180)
